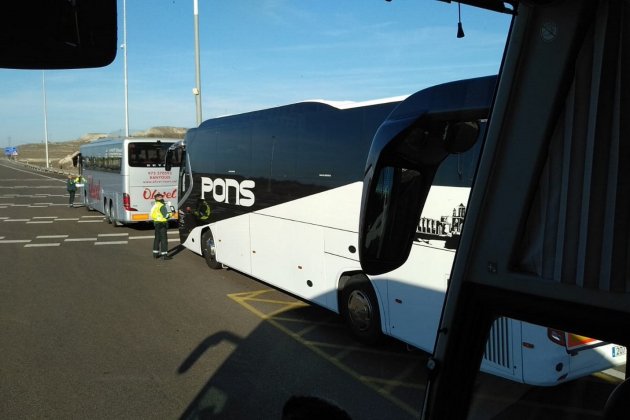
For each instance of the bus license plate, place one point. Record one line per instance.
(618, 351)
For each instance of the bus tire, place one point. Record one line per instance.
(115, 222)
(208, 250)
(87, 202)
(360, 310)
(106, 210)
(110, 216)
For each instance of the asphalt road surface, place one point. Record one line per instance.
(91, 326)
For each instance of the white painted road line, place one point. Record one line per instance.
(15, 241)
(39, 221)
(17, 220)
(88, 217)
(41, 245)
(67, 219)
(44, 217)
(51, 236)
(80, 240)
(614, 373)
(90, 221)
(111, 243)
(142, 237)
(22, 179)
(112, 234)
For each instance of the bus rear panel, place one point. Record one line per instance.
(122, 177)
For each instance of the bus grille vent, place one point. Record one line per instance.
(498, 345)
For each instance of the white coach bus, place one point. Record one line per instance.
(284, 189)
(122, 176)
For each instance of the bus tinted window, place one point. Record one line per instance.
(103, 158)
(148, 154)
(234, 151)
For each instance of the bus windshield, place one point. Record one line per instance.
(148, 154)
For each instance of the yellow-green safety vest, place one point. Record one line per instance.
(156, 212)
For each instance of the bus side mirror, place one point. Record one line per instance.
(168, 163)
(396, 186)
(77, 160)
(390, 212)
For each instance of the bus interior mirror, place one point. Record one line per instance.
(45, 34)
(461, 136)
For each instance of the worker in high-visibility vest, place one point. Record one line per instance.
(202, 212)
(160, 215)
(71, 187)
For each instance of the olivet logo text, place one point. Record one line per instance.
(149, 194)
(229, 191)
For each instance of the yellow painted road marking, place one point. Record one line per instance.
(609, 376)
(383, 387)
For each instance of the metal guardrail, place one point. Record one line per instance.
(38, 168)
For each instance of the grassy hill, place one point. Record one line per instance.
(59, 153)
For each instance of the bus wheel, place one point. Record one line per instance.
(108, 212)
(208, 250)
(111, 218)
(359, 308)
(87, 202)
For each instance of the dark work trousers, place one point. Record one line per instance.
(71, 201)
(160, 243)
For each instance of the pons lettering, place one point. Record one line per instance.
(229, 191)
(149, 194)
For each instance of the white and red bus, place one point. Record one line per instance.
(122, 176)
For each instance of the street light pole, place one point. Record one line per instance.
(45, 116)
(197, 89)
(124, 46)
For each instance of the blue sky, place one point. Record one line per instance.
(255, 54)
